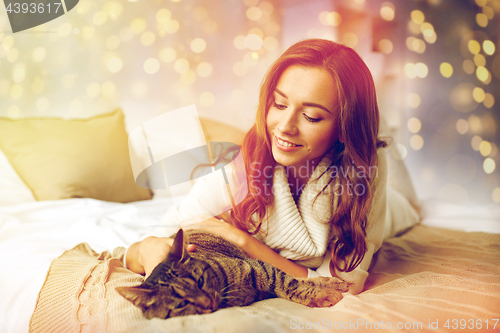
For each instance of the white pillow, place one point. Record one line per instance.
(12, 189)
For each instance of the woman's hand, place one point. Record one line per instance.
(219, 228)
(144, 256)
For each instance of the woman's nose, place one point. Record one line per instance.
(288, 123)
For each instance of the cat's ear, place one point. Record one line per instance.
(178, 251)
(139, 296)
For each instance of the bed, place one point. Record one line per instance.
(431, 278)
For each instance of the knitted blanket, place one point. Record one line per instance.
(428, 279)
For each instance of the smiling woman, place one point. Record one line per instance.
(317, 113)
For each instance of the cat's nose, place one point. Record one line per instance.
(204, 301)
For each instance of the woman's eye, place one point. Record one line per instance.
(312, 120)
(279, 106)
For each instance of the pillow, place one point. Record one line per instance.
(76, 158)
(12, 189)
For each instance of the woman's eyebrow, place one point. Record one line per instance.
(315, 105)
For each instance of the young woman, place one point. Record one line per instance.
(316, 173)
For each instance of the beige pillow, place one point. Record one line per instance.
(59, 158)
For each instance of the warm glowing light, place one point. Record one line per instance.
(188, 77)
(253, 42)
(385, 46)
(333, 19)
(163, 15)
(495, 195)
(19, 73)
(16, 91)
(115, 65)
(416, 142)
(138, 25)
(413, 100)
(254, 13)
(481, 3)
(489, 100)
(482, 20)
(462, 126)
(485, 148)
(468, 66)
(207, 99)
(410, 70)
(266, 7)
(476, 142)
(489, 165)
(482, 73)
(478, 94)
(488, 47)
(204, 69)
(171, 26)
(417, 16)
(474, 46)
(39, 53)
(475, 126)
(181, 66)
(421, 69)
(198, 45)
(431, 37)
(256, 31)
(151, 66)
(249, 60)
(88, 32)
(65, 29)
(350, 39)
(479, 60)
(446, 69)
(270, 43)
(168, 54)
(427, 29)
(414, 125)
(100, 18)
(148, 38)
(387, 11)
(93, 89)
(489, 12)
(251, 3)
(461, 97)
(108, 89)
(239, 42)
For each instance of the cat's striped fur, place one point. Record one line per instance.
(219, 275)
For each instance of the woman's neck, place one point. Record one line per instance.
(298, 176)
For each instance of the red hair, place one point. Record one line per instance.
(358, 121)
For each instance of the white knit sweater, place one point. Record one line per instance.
(298, 231)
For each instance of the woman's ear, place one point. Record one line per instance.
(341, 138)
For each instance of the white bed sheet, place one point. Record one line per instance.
(33, 234)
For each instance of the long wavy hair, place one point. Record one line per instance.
(358, 121)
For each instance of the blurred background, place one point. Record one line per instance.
(436, 65)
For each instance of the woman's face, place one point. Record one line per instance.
(302, 121)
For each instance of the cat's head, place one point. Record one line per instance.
(179, 286)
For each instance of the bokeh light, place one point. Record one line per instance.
(416, 142)
(446, 69)
(198, 45)
(385, 46)
(462, 126)
(151, 66)
(414, 100)
(414, 125)
(387, 11)
(489, 165)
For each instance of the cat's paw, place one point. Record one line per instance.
(327, 291)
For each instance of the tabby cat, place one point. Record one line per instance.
(220, 275)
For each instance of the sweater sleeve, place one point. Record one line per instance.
(374, 232)
(208, 197)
